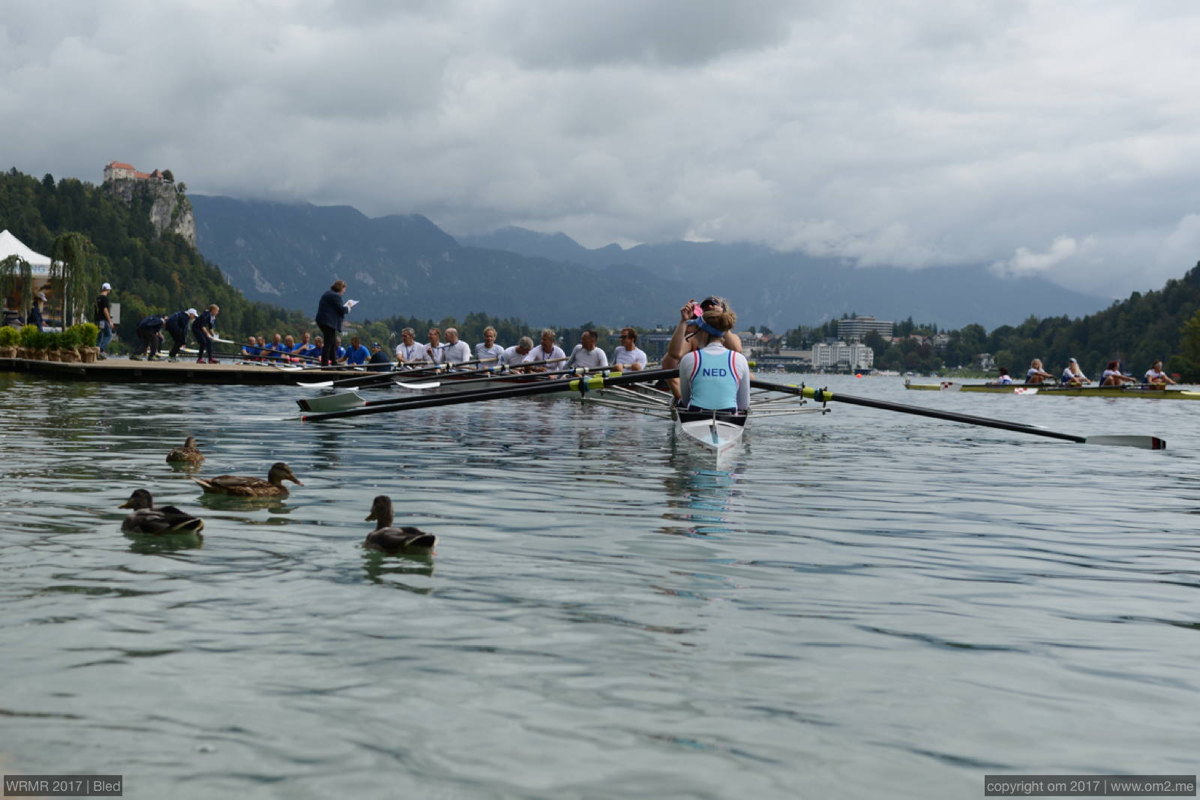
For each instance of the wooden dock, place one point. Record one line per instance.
(124, 370)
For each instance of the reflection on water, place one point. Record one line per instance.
(882, 605)
(163, 543)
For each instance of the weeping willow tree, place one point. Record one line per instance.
(74, 274)
(16, 274)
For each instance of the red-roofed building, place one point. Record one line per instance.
(120, 171)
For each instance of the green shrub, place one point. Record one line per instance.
(26, 332)
(86, 334)
(69, 339)
(9, 336)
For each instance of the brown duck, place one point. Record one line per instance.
(241, 486)
(391, 540)
(148, 519)
(188, 454)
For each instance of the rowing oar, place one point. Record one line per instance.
(352, 399)
(385, 377)
(824, 395)
(585, 384)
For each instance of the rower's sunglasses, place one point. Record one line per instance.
(713, 302)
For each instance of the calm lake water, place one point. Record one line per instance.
(861, 605)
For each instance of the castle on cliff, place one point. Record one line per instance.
(120, 171)
(169, 208)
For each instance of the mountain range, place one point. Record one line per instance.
(288, 254)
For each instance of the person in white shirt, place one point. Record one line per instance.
(546, 351)
(433, 350)
(488, 352)
(628, 355)
(455, 351)
(1156, 375)
(410, 351)
(586, 354)
(516, 354)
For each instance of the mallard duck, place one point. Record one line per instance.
(242, 486)
(148, 519)
(395, 540)
(188, 454)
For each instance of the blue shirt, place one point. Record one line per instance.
(358, 355)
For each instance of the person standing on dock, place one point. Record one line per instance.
(103, 319)
(149, 333)
(177, 325)
(35, 311)
(202, 328)
(330, 312)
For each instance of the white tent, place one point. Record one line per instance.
(12, 246)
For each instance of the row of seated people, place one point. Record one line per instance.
(545, 356)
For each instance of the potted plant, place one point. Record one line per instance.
(9, 337)
(86, 335)
(68, 344)
(24, 342)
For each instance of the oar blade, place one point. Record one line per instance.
(333, 402)
(1144, 442)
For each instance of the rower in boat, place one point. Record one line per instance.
(487, 351)
(546, 351)
(1037, 375)
(1004, 380)
(515, 356)
(586, 354)
(628, 355)
(1156, 376)
(712, 377)
(410, 351)
(455, 351)
(1112, 375)
(683, 342)
(433, 350)
(1073, 375)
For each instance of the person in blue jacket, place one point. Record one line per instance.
(149, 333)
(177, 325)
(202, 328)
(330, 312)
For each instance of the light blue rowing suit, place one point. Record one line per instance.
(715, 378)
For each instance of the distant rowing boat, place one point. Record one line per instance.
(1140, 390)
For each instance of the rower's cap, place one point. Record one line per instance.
(105, 286)
(1073, 361)
(193, 312)
(376, 344)
(41, 296)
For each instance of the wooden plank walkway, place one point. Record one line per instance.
(123, 370)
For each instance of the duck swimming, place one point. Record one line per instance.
(391, 540)
(148, 519)
(241, 486)
(188, 454)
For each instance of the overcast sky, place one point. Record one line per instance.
(1060, 138)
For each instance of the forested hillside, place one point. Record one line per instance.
(149, 273)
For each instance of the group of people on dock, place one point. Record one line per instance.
(713, 372)
(1072, 375)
